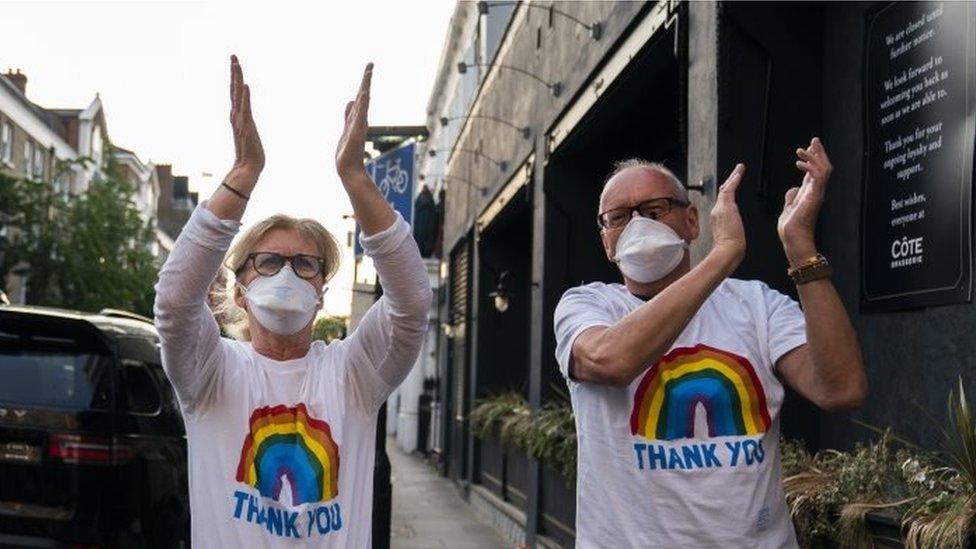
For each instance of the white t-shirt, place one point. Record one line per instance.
(688, 454)
(281, 452)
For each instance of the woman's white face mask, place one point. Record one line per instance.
(283, 303)
(648, 250)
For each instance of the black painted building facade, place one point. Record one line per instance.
(698, 86)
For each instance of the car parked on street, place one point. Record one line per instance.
(92, 445)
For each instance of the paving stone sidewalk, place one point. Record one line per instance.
(428, 512)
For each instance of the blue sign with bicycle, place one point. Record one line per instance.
(392, 172)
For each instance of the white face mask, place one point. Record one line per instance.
(283, 303)
(648, 250)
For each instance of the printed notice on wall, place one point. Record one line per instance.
(919, 132)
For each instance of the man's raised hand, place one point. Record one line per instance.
(248, 151)
(802, 204)
(728, 234)
(352, 144)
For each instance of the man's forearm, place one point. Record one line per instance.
(835, 352)
(372, 211)
(621, 352)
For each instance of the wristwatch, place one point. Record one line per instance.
(812, 269)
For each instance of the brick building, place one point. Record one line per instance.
(45, 144)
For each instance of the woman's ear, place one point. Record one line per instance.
(321, 298)
(239, 297)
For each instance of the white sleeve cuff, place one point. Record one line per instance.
(207, 230)
(387, 240)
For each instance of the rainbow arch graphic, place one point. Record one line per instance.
(725, 384)
(287, 443)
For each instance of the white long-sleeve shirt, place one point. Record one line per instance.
(281, 452)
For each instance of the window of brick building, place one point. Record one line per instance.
(28, 157)
(7, 142)
(38, 163)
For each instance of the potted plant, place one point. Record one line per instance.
(888, 492)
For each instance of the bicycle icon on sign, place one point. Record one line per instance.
(395, 178)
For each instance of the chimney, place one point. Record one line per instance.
(18, 79)
(181, 187)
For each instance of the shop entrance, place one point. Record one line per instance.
(504, 263)
(640, 115)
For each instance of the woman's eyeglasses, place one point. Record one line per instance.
(270, 263)
(654, 208)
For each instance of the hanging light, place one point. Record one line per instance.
(524, 130)
(554, 87)
(595, 28)
(501, 296)
(448, 177)
(502, 165)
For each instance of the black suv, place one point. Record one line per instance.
(92, 445)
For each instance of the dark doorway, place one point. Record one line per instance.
(504, 262)
(641, 116)
(638, 117)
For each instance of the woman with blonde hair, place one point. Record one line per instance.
(281, 429)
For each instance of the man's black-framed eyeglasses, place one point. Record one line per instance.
(270, 263)
(653, 208)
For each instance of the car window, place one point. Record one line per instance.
(169, 395)
(141, 392)
(52, 373)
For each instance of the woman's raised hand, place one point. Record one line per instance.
(352, 144)
(248, 151)
(372, 211)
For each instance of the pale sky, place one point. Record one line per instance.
(162, 69)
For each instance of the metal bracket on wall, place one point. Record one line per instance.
(703, 186)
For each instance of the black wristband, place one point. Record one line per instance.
(235, 191)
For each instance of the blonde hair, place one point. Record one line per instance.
(233, 318)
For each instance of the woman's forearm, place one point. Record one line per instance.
(224, 203)
(372, 212)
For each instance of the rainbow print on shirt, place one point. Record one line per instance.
(287, 444)
(724, 384)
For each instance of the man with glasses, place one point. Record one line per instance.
(676, 375)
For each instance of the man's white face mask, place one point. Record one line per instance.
(283, 303)
(648, 250)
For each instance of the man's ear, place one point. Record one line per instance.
(692, 219)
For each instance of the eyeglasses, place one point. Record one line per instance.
(270, 263)
(654, 208)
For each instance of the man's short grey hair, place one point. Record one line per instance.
(623, 165)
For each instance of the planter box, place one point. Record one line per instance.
(558, 507)
(885, 528)
(886, 531)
